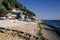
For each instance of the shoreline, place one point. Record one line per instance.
(45, 32)
(49, 33)
(26, 27)
(54, 29)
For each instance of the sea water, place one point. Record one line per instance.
(53, 24)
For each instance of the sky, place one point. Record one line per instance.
(44, 9)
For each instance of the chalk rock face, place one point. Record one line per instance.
(27, 27)
(4, 36)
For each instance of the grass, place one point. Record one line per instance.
(39, 33)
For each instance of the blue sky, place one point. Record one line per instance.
(44, 9)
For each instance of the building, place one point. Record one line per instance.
(11, 16)
(15, 10)
(2, 18)
(13, 13)
(22, 17)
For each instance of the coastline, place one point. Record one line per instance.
(55, 29)
(29, 28)
(48, 32)
(45, 33)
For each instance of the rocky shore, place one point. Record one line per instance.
(48, 32)
(22, 30)
(30, 28)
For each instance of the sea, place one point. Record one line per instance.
(53, 24)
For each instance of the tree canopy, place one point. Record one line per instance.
(8, 4)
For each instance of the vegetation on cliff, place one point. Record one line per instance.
(7, 5)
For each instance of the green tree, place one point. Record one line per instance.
(18, 15)
(7, 4)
